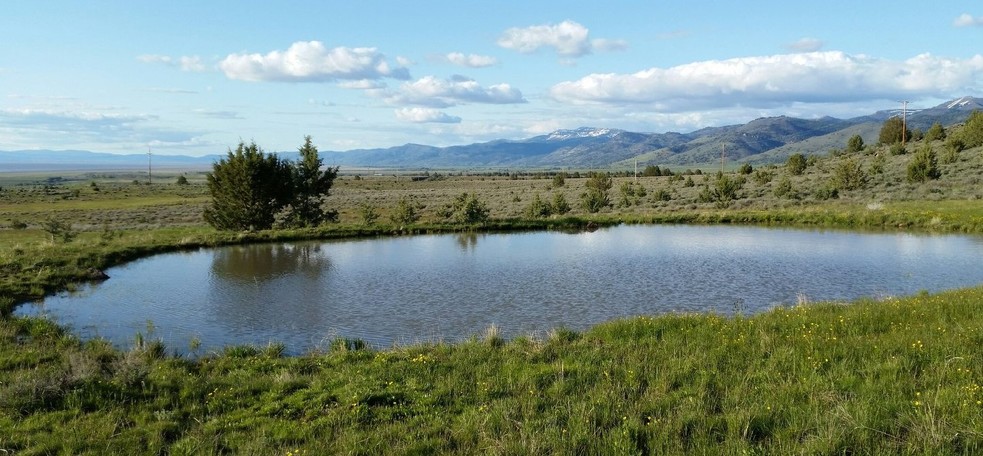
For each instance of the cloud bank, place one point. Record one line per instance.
(764, 82)
(568, 39)
(311, 61)
(470, 60)
(425, 115)
(433, 92)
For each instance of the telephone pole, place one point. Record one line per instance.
(904, 121)
(150, 168)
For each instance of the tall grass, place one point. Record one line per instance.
(894, 376)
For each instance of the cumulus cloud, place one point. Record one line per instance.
(471, 60)
(311, 61)
(568, 39)
(32, 127)
(185, 63)
(362, 84)
(967, 20)
(763, 82)
(425, 115)
(441, 93)
(805, 45)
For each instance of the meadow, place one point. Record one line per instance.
(893, 376)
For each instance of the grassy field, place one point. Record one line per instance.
(894, 376)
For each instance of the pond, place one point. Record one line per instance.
(449, 287)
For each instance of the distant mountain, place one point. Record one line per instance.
(764, 140)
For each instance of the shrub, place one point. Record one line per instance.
(893, 131)
(723, 192)
(935, 133)
(849, 176)
(826, 192)
(796, 164)
(762, 177)
(559, 205)
(560, 179)
(877, 164)
(972, 132)
(784, 188)
(468, 209)
(898, 149)
(923, 165)
(746, 168)
(181, 180)
(854, 144)
(404, 213)
(596, 196)
(58, 230)
(368, 214)
(538, 208)
(631, 194)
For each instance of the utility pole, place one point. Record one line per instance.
(723, 155)
(904, 121)
(150, 169)
(636, 170)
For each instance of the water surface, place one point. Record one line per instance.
(449, 287)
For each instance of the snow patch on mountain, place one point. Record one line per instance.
(583, 132)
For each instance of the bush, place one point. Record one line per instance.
(923, 165)
(826, 192)
(404, 213)
(631, 194)
(58, 230)
(849, 176)
(893, 131)
(596, 196)
(972, 132)
(368, 214)
(796, 164)
(935, 133)
(181, 180)
(538, 208)
(854, 144)
(467, 209)
(784, 188)
(559, 205)
(723, 192)
(745, 168)
(560, 179)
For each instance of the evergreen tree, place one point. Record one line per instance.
(893, 131)
(854, 144)
(311, 186)
(923, 165)
(796, 164)
(247, 188)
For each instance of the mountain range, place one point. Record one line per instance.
(763, 140)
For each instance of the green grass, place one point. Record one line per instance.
(898, 376)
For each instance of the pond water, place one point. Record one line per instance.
(449, 287)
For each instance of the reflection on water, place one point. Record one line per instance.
(467, 241)
(410, 289)
(266, 261)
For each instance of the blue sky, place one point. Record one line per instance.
(196, 77)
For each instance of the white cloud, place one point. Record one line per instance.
(441, 93)
(311, 61)
(185, 63)
(768, 81)
(425, 115)
(33, 127)
(362, 84)
(805, 45)
(471, 60)
(172, 90)
(568, 39)
(967, 20)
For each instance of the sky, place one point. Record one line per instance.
(197, 77)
